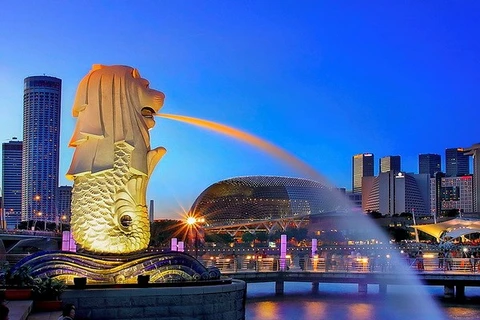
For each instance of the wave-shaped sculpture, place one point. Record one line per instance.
(163, 267)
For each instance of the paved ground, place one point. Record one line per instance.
(44, 315)
(22, 310)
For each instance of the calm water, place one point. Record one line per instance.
(341, 301)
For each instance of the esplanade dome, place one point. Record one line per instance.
(255, 199)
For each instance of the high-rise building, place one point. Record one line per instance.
(362, 166)
(394, 193)
(41, 138)
(389, 163)
(454, 193)
(64, 204)
(11, 183)
(429, 164)
(457, 163)
(475, 152)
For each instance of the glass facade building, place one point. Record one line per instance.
(390, 163)
(457, 163)
(11, 183)
(247, 200)
(64, 206)
(362, 166)
(429, 164)
(41, 138)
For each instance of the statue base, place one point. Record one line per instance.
(222, 301)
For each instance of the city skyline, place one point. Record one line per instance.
(322, 81)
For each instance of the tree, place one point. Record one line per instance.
(408, 215)
(451, 212)
(163, 230)
(248, 237)
(374, 214)
(223, 238)
(399, 234)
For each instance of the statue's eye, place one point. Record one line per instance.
(126, 220)
(148, 112)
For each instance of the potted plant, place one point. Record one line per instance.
(18, 283)
(47, 292)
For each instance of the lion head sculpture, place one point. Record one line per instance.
(112, 104)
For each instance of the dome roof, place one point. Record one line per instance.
(250, 199)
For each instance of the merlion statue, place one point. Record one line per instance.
(113, 160)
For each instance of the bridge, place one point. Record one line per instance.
(14, 245)
(362, 271)
(454, 283)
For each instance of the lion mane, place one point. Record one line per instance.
(108, 105)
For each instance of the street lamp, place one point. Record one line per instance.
(62, 221)
(193, 225)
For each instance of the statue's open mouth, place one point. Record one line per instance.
(148, 112)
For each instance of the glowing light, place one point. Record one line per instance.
(250, 139)
(191, 220)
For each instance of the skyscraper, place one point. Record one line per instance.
(41, 137)
(429, 163)
(362, 166)
(64, 203)
(456, 162)
(389, 163)
(11, 182)
(475, 152)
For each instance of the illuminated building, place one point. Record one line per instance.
(454, 193)
(41, 135)
(11, 182)
(475, 152)
(393, 193)
(429, 164)
(390, 163)
(64, 203)
(456, 162)
(362, 166)
(266, 202)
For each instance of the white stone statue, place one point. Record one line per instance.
(113, 160)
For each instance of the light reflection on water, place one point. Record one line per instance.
(339, 302)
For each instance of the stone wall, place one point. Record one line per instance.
(213, 302)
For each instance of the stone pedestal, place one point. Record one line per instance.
(209, 302)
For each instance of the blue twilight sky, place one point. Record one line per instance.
(322, 79)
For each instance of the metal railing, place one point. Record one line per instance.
(342, 264)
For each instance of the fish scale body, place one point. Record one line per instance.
(100, 200)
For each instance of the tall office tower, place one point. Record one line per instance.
(457, 163)
(11, 183)
(390, 163)
(41, 135)
(64, 203)
(429, 163)
(362, 166)
(475, 152)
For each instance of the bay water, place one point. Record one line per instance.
(342, 301)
